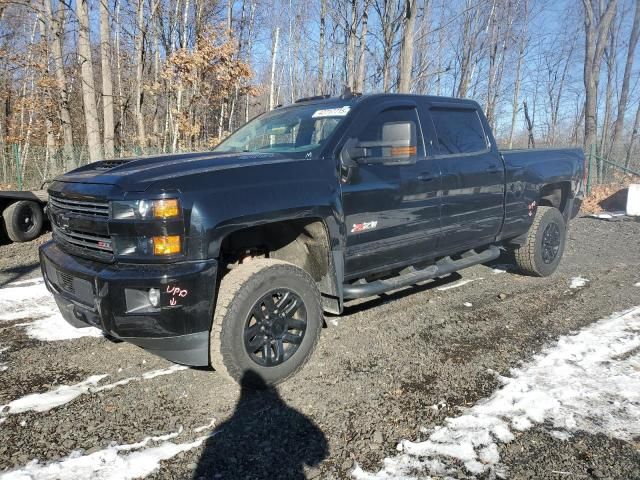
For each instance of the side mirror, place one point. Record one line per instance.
(397, 146)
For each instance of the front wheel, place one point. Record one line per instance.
(541, 253)
(268, 320)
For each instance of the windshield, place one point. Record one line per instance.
(300, 131)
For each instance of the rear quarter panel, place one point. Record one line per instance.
(527, 172)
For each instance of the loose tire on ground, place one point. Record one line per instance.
(546, 235)
(23, 220)
(246, 290)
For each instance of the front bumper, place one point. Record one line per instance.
(92, 293)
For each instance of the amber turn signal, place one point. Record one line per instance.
(403, 151)
(170, 245)
(166, 208)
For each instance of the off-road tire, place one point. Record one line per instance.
(529, 255)
(23, 220)
(239, 290)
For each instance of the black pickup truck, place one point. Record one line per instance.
(228, 258)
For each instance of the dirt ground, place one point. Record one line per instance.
(379, 369)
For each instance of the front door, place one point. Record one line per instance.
(392, 210)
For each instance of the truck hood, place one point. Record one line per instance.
(138, 174)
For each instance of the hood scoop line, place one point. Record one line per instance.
(109, 164)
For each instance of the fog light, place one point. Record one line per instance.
(166, 245)
(154, 297)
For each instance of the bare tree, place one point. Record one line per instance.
(56, 29)
(406, 48)
(389, 14)
(616, 140)
(597, 23)
(362, 65)
(92, 124)
(323, 20)
(522, 43)
(352, 31)
(274, 56)
(107, 83)
(139, 48)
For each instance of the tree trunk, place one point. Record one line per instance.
(107, 84)
(57, 34)
(139, 49)
(531, 143)
(274, 56)
(176, 131)
(351, 45)
(119, 76)
(616, 140)
(516, 93)
(406, 49)
(323, 19)
(362, 66)
(634, 137)
(88, 85)
(596, 31)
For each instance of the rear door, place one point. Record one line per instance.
(392, 210)
(473, 177)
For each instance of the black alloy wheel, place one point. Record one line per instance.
(550, 242)
(275, 327)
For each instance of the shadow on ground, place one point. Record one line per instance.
(264, 439)
(13, 274)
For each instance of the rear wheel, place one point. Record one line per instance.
(23, 220)
(268, 320)
(541, 253)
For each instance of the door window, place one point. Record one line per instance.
(458, 131)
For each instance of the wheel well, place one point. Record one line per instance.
(555, 195)
(303, 242)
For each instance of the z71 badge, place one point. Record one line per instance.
(361, 227)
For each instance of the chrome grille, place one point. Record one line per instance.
(99, 209)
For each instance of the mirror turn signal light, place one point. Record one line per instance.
(167, 245)
(403, 151)
(166, 208)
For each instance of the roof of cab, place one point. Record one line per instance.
(358, 98)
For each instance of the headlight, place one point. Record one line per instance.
(148, 246)
(145, 209)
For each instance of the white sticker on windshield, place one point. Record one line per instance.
(332, 112)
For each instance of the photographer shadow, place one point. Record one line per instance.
(264, 439)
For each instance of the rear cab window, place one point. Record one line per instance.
(458, 131)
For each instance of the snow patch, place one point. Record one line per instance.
(502, 268)
(3, 366)
(589, 381)
(116, 462)
(42, 402)
(578, 282)
(163, 371)
(636, 284)
(468, 304)
(30, 300)
(459, 283)
(211, 424)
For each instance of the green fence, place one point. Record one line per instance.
(602, 170)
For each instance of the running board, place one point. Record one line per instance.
(442, 267)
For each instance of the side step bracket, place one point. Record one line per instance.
(442, 267)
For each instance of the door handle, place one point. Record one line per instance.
(493, 169)
(425, 177)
